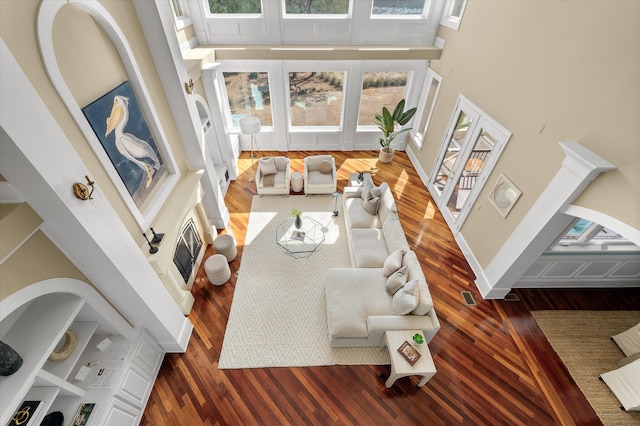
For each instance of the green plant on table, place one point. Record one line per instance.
(418, 338)
(295, 212)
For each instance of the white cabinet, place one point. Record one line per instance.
(119, 378)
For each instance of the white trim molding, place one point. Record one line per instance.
(46, 16)
(543, 223)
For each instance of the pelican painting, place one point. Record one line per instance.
(132, 148)
(120, 126)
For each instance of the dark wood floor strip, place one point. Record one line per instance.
(494, 364)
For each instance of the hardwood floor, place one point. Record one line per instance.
(494, 364)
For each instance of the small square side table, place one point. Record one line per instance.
(400, 367)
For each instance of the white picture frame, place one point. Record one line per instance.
(504, 195)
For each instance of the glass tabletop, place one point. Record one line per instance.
(300, 242)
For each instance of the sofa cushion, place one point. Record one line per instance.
(358, 216)
(405, 299)
(325, 167)
(267, 166)
(371, 204)
(387, 203)
(317, 179)
(369, 248)
(394, 234)
(396, 280)
(425, 303)
(392, 263)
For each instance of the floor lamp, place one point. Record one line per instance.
(250, 125)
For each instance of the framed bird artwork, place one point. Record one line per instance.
(121, 128)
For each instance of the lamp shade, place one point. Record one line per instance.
(250, 125)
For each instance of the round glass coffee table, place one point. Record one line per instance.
(300, 242)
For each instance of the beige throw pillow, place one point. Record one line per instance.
(406, 299)
(267, 166)
(325, 167)
(392, 263)
(371, 204)
(397, 280)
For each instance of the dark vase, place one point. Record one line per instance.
(10, 360)
(298, 222)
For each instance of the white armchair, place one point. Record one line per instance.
(624, 382)
(320, 175)
(273, 176)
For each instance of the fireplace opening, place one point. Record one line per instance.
(187, 250)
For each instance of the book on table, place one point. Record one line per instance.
(298, 235)
(409, 353)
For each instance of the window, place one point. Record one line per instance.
(316, 98)
(248, 94)
(234, 6)
(585, 235)
(317, 7)
(430, 94)
(380, 89)
(397, 7)
(452, 15)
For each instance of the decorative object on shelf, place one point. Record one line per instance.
(81, 191)
(157, 238)
(335, 204)
(250, 125)
(55, 418)
(409, 353)
(152, 249)
(10, 360)
(26, 413)
(386, 122)
(82, 415)
(188, 87)
(504, 195)
(69, 345)
(418, 338)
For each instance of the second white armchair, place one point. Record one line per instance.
(320, 175)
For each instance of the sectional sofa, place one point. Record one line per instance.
(385, 289)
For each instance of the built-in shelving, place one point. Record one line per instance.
(121, 371)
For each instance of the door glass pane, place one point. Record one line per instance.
(380, 89)
(248, 94)
(318, 7)
(316, 98)
(472, 168)
(239, 6)
(398, 7)
(453, 150)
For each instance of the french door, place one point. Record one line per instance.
(471, 147)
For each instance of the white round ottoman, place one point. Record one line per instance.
(226, 246)
(217, 269)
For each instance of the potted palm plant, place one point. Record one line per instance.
(387, 123)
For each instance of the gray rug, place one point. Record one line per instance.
(582, 340)
(278, 316)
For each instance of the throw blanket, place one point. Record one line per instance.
(267, 181)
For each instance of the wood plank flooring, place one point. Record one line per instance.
(494, 364)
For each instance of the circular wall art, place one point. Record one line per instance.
(70, 343)
(504, 195)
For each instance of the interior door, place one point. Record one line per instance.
(469, 151)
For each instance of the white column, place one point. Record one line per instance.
(544, 222)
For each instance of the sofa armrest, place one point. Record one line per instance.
(378, 324)
(352, 192)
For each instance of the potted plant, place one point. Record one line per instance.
(387, 123)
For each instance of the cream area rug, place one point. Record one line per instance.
(278, 316)
(582, 340)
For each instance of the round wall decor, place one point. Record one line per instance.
(70, 342)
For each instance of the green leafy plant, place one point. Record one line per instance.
(418, 338)
(295, 212)
(386, 122)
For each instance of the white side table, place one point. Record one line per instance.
(296, 182)
(400, 367)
